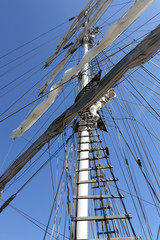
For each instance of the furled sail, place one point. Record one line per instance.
(37, 112)
(101, 102)
(115, 30)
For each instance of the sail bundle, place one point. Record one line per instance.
(101, 102)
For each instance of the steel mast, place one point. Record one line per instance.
(82, 204)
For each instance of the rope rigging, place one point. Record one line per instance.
(130, 129)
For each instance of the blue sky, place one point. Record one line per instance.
(20, 22)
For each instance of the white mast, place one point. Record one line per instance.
(82, 204)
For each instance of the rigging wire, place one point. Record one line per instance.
(125, 4)
(149, 184)
(6, 156)
(7, 202)
(137, 130)
(61, 177)
(141, 101)
(30, 51)
(133, 181)
(28, 91)
(14, 80)
(30, 166)
(18, 85)
(138, 149)
(149, 133)
(39, 36)
(51, 170)
(27, 59)
(32, 220)
(31, 103)
(126, 180)
(32, 142)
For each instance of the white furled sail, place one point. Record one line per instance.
(115, 30)
(37, 112)
(101, 102)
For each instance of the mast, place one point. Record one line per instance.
(82, 204)
(88, 129)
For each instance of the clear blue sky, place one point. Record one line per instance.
(20, 22)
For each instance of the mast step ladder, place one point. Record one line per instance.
(93, 135)
(98, 180)
(94, 168)
(93, 158)
(116, 238)
(94, 141)
(99, 186)
(102, 208)
(91, 150)
(104, 233)
(97, 177)
(103, 218)
(98, 196)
